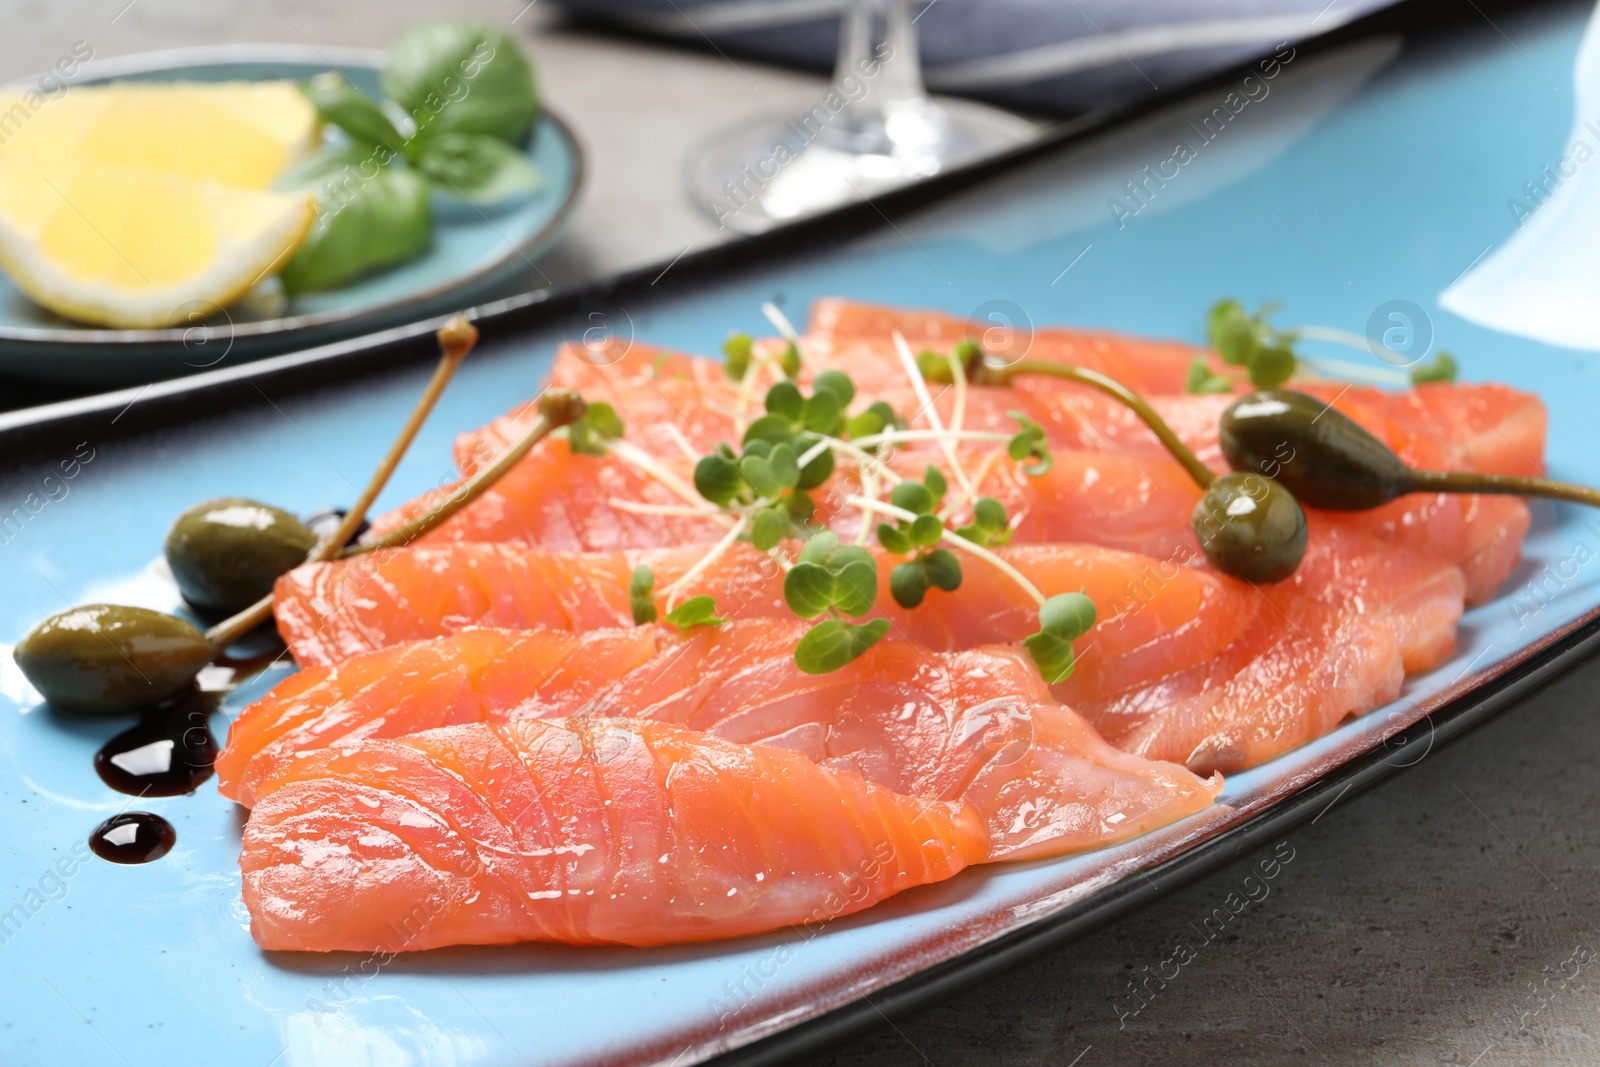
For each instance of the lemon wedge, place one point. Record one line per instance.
(238, 133)
(147, 205)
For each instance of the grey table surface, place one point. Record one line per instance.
(1451, 916)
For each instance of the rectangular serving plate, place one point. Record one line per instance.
(1300, 200)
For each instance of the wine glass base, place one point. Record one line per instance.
(775, 169)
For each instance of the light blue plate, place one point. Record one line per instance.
(1369, 174)
(474, 252)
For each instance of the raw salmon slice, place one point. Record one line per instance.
(1167, 632)
(1492, 428)
(979, 726)
(328, 612)
(558, 500)
(579, 831)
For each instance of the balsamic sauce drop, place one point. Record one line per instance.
(168, 753)
(133, 837)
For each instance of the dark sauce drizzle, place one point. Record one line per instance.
(171, 750)
(133, 837)
(168, 753)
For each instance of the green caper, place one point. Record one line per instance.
(1250, 527)
(226, 553)
(105, 658)
(1318, 454)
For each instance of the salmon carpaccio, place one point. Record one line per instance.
(1168, 635)
(584, 831)
(1112, 483)
(978, 726)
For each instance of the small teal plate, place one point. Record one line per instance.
(473, 255)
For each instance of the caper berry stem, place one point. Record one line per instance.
(1501, 484)
(557, 408)
(456, 338)
(1003, 374)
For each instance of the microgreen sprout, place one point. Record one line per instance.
(696, 611)
(600, 423)
(1249, 341)
(1202, 380)
(1062, 619)
(737, 348)
(1030, 443)
(833, 580)
(640, 586)
(919, 537)
(1441, 368)
(990, 526)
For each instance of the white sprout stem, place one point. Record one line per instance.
(1355, 371)
(681, 441)
(1338, 337)
(643, 460)
(705, 561)
(679, 510)
(920, 387)
(960, 500)
(956, 541)
(958, 374)
(781, 323)
(897, 437)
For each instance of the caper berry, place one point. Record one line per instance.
(106, 658)
(226, 553)
(1317, 453)
(1250, 527)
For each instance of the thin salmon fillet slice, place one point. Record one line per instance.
(1492, 428)
(1333, 641)
(1167, 632)
(1116, 496)
(586, 831)
(566, 502)
(1292, 679)
(978, 726)
(1476, 426)
(846, 334)
(328, 612)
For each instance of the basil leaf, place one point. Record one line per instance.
(696, 611)
(476, 167)
(357, 114)
(371, 212)
(462, 77)
(831, 644)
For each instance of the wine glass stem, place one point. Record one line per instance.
(899, 79)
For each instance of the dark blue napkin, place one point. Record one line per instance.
(1060, 56)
